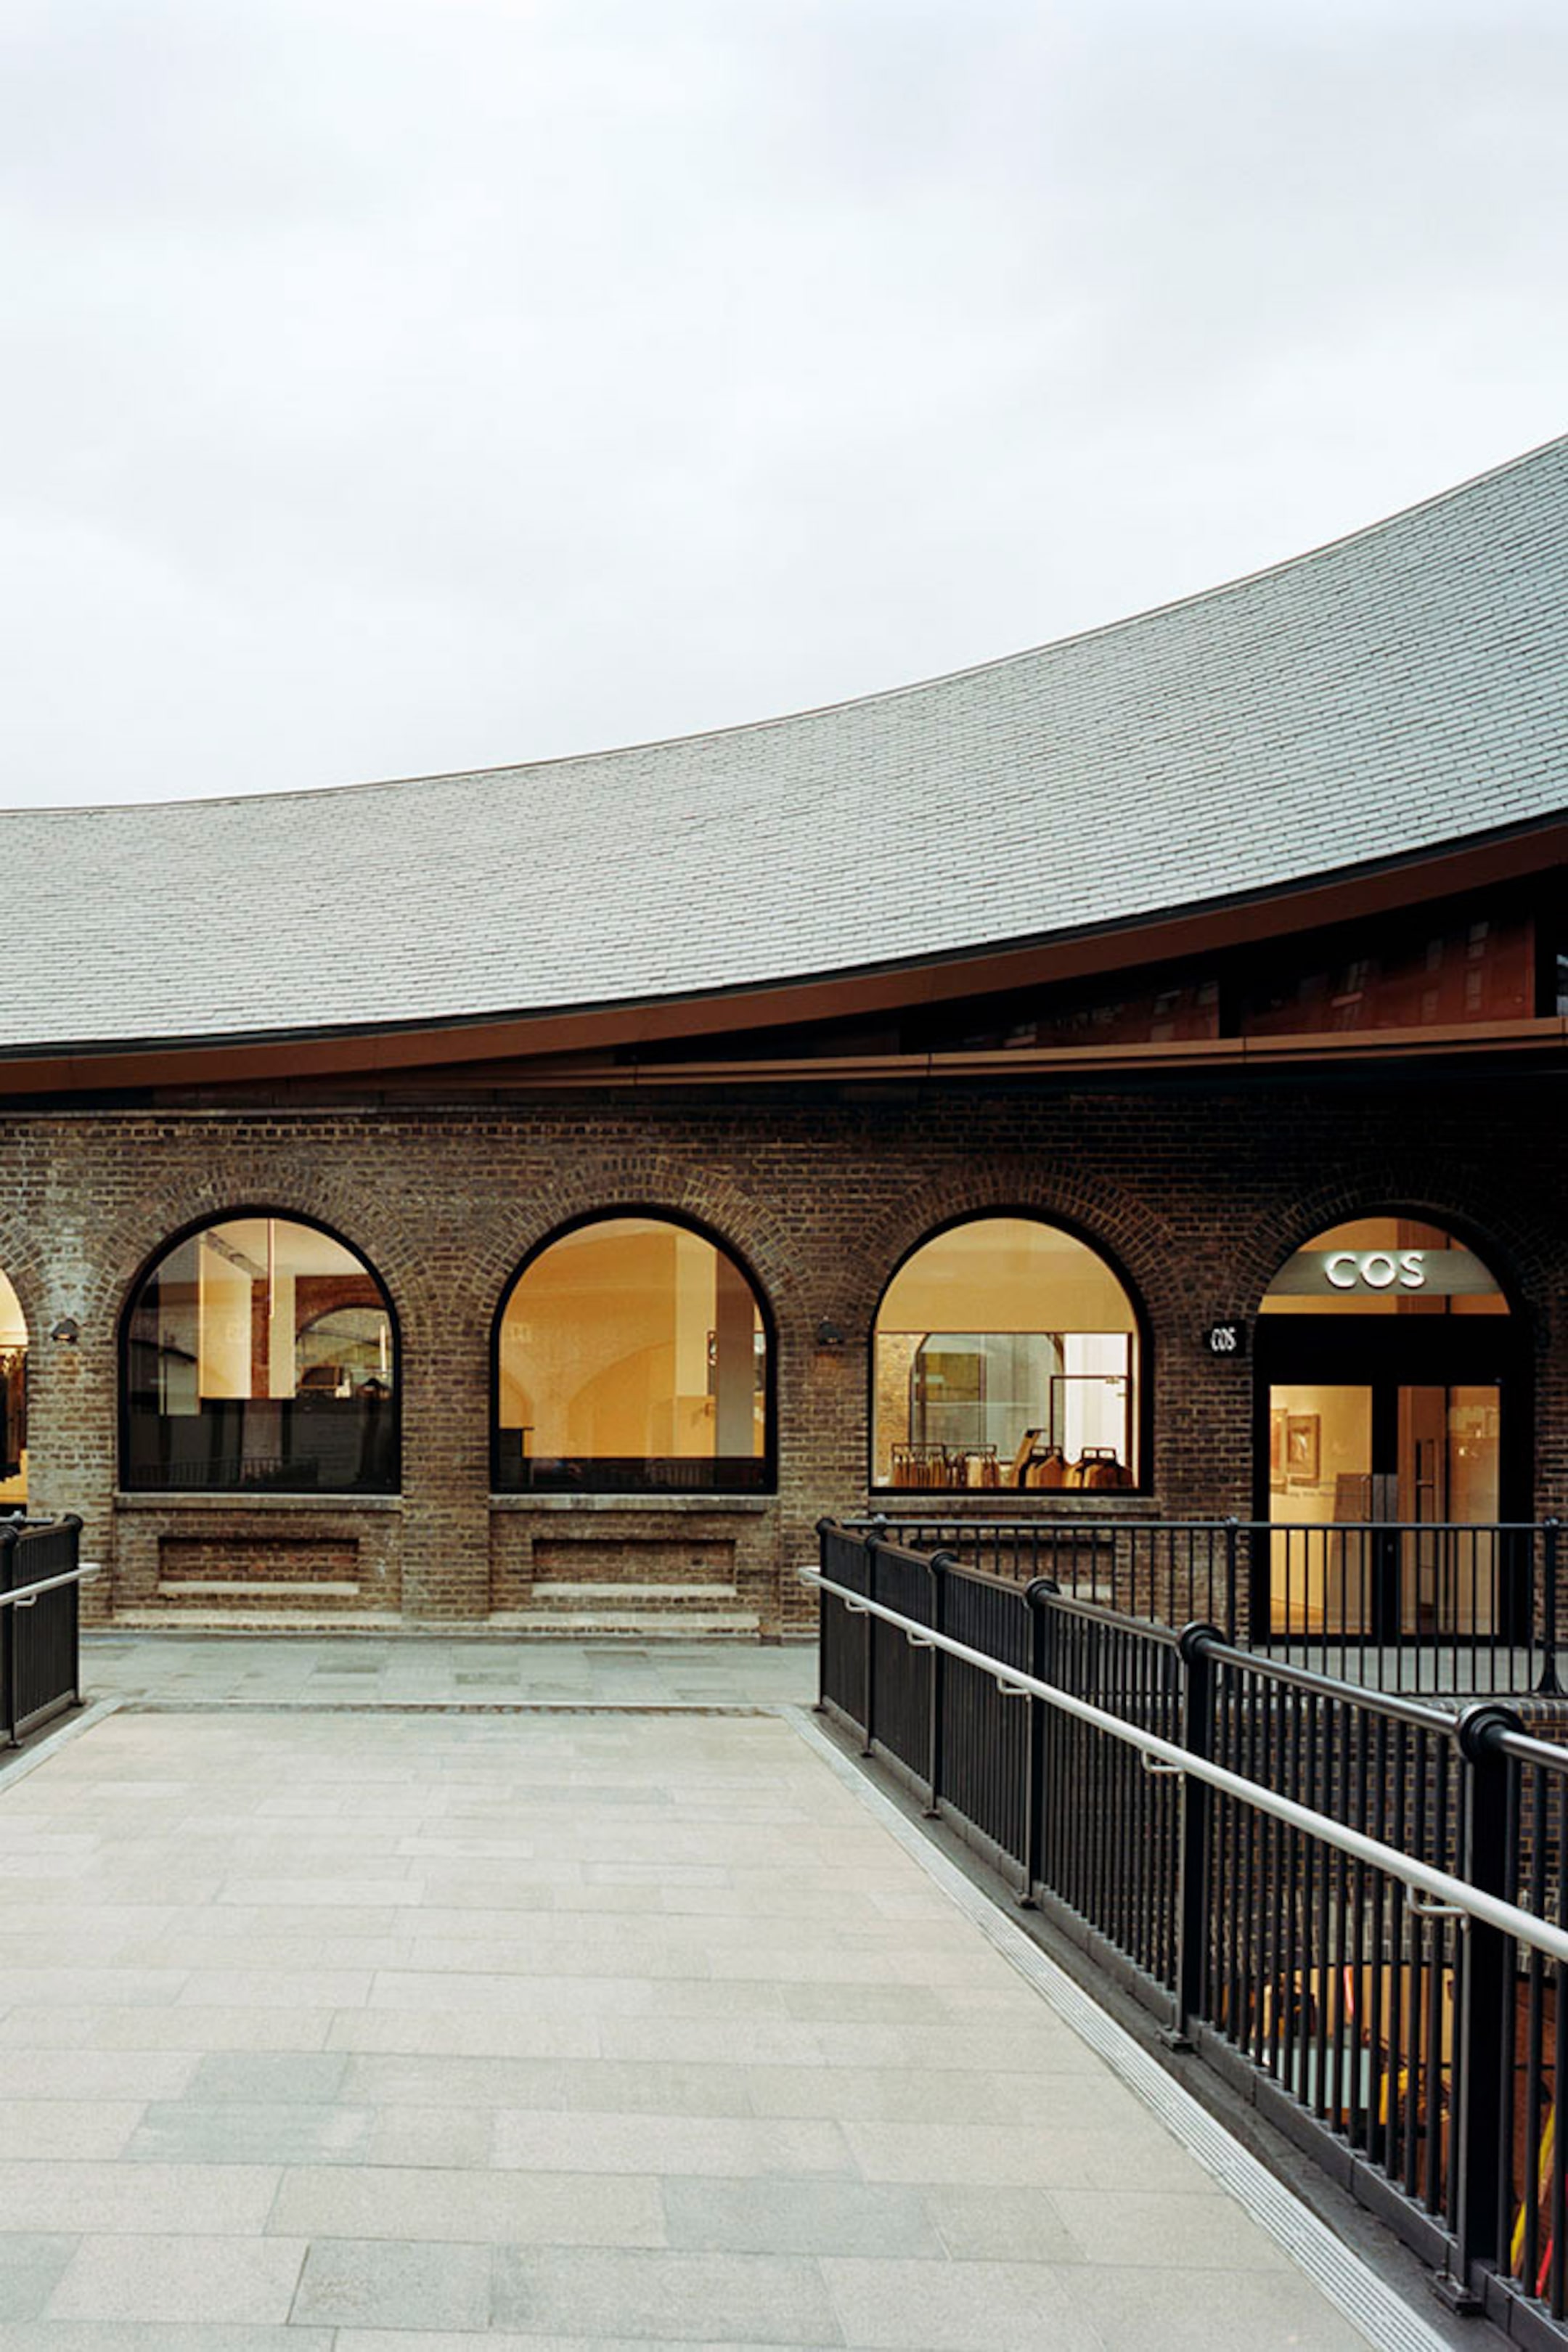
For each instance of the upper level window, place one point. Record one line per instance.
(260, 1353)
(632, 1354)
(12, 1399)
(1401, 973)
(1160, 1007)
(1006, 1354)
(1384, 1265)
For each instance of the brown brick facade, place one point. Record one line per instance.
(1196, 1196)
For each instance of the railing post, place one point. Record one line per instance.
(825, 1528)
(869, 1674)
(1549, 1686)
(936, 1730)
(1483, 2009)
(1193, 1834)
(1037, 1595)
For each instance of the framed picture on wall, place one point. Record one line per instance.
(1303, 1448)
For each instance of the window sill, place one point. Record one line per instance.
(218, 1499)
(667, 1505)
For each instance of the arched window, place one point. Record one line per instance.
(260, 1353)
(12, 1399)
(631, 1355)
(1006, 1354)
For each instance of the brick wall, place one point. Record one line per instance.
(1196, 1194)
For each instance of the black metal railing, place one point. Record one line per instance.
(41, 1575)
(1468, 1609)
(1349, 1903)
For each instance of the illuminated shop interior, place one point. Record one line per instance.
(632, 1354)
(260, 1353)
(12, 1399)
(1381, 1426)
(1006, 1355)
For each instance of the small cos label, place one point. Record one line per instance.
(1226, 1339)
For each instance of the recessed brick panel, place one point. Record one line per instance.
(271, 1559)
(632, 1560)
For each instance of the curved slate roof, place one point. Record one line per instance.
(1391, 692)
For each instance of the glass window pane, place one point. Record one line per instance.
(1321, 1485)
(1409, 975)
(1005, 1356)
(12, 1399)
(632, 1354)
(1449, 1485)
(259, 1354)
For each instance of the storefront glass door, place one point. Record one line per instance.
(1347, 1461)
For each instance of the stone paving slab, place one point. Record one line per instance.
(771, 2088)
(347, 1672)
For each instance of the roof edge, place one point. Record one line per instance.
(1475, 861)
(1126, 620)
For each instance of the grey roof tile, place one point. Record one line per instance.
(1392, 691)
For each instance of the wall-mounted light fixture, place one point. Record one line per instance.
(68, 1329)
(829, 1334)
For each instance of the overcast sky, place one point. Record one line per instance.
(395, 386)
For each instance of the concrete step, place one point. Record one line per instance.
(313, 1620)
(573, 1594)
(629, 1623)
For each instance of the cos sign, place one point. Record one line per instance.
(1376, 1270)
(1343, 1273)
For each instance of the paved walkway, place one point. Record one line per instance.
(426, 1670)
(409, 2031)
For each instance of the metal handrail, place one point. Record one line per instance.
(1419, 1877)
(22, 1596)
(1392, 1705)
(1123, 1522)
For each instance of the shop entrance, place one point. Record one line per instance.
(1391, 1421)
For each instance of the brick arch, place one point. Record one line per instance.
(126, 1248)
(1137, 1242)
(654, 1187)
(688, 1213)
(1519, 1250)
(27, 1275)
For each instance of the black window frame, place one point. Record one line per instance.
(131, 1483)
(1142, 1417)
(767, 1482)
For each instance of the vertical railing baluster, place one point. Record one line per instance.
(824, 1602)
(1037, 1596)
(1549, 1686)
(869, 1666)
(1193, 1834)
(1232, 1553)
(1483, 2008)
(938, 1565)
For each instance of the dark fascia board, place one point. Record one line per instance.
(1479, 863)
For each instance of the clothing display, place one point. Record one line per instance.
(1039, 1463)
(1099, 1467)
(945, 1466)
